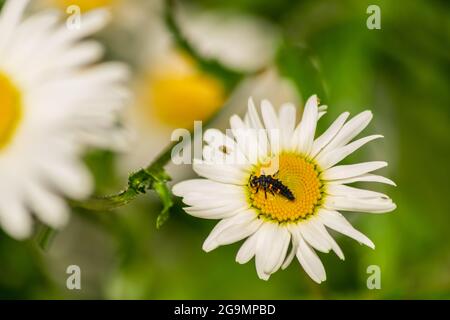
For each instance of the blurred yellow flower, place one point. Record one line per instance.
(10, 109)
(85, 5)
(179, 93)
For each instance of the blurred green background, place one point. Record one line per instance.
(401, 72)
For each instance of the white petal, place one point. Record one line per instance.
(93, 21)
(204, 186)
(220, 173)
(255, 121)
(80, 55)
(284, 246)
(329, 134)
(329, 159)
(264, 233)
(14, 218)
(263, 144)
(214, 212)
(10, 17)
(322, 108)
(214, 200)
(306, 130)
(70, 177)
(218, 141)
(287, 123)
(291, 255)
(320, 229)
(337, 222)
(261, 133)
(238, 232)
(247, 250)
(271, 247)
(272, 125)
(50, 208)
(373, 205)
(346, 191)
(363, 178)
(310, 262)
(350, 130)
(28, 37)
(312, 237)
(232, 229)
(322, 111)
(246, 138)
(352, 170)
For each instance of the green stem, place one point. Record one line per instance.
(45, 237)
(107, 202)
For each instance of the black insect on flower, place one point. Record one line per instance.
(269, 183)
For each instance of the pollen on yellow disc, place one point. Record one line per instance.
(84, 5)
(182, 94)
(10, 110)
(301, 177)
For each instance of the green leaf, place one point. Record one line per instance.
(160, 178)
(154, 178)
(141, 181)
(45, 237)
(164, 193)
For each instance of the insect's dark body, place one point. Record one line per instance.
(270, 184)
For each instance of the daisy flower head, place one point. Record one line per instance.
(272, 183)
(54, 103)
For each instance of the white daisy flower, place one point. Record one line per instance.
(53, 104)
(276, 186)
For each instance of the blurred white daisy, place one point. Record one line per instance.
(53, 103)
(276, 186)
(241, 42)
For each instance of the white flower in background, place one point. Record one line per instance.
(276, 186)
(54, 102)
(241, 42)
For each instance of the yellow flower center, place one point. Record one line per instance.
(181, 93)
(85, 5)
(295, 175)
(10, 110)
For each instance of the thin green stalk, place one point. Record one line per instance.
(45, 237)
